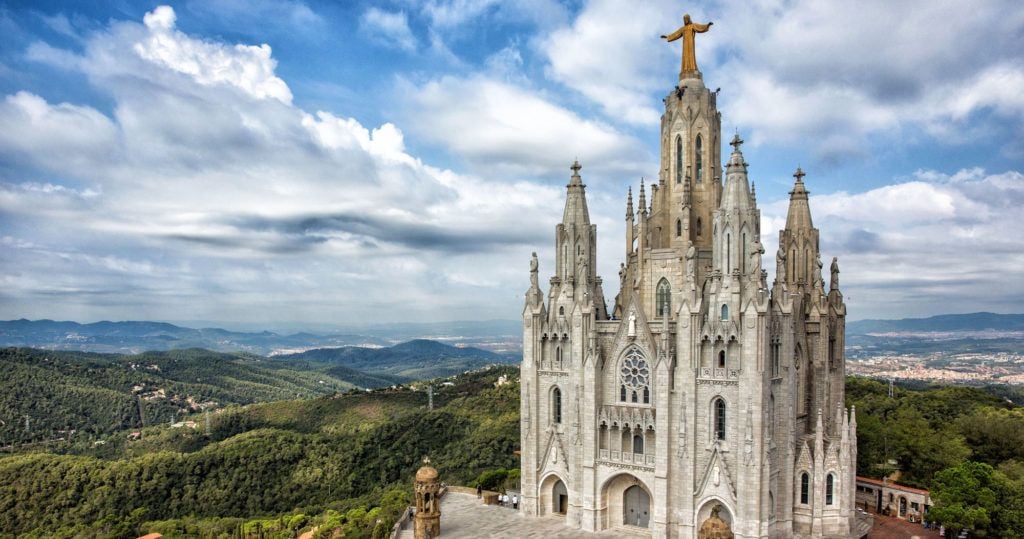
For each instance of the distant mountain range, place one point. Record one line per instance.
(134, 337)
(501, 336)
(411, 360)
(943, 323)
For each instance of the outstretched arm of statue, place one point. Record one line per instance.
(674, 35)
(701, 28)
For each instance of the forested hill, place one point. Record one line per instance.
(344, 460)
(413, 360)
(44, 394)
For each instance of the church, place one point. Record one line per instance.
(702, 401)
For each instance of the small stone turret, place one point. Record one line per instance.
(428, 502)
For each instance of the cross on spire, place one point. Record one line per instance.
(576, 166)
(736, 142)
(799, 174)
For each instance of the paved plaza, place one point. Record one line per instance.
(465, 516)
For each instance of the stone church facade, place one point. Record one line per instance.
(702, 388)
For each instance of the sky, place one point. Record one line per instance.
(267, 163)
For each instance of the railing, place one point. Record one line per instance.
(626, 457)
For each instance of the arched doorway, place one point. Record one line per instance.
(625, 501)
(636, 506)
(903, 507)
(553, 496)
(559, 498)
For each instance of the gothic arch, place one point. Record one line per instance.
(804, 489)
(830, 488)
(552, 486)
(556, 400)
(679, 158)
(718, 413)
(663, 298)
(698, 157)
(618, 509)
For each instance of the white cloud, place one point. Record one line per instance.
(35, 132)
(504, 127)
(598, 54)
(248, 67)
(388, 28)
(208, 195)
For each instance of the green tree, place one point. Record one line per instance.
(967, 496)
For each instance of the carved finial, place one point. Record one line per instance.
(642, 207)
(736, 142)
(575, 168)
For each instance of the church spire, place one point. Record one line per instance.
(799, 215)
(799, 240)
(576, 211)
(737, 189)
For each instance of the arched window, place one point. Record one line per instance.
(622, 393)
(699, 228)
(679, 228)
(721, 359)
(805, 488)
(698, 158)
(561, 310)
(725, 312)
(719, 419)
(638, 443)
(558, 355)
(771, 416)
(647, 396)
(829, 480)
(679, 159)
(556, 405)
(771, 505)
(663, 297)
(634, 397)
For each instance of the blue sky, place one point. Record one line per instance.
(265, 163)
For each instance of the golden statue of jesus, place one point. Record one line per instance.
(687, 31)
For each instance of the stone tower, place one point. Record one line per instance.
(703, 387)
(428, 503)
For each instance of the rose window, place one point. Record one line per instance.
(635, 372)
